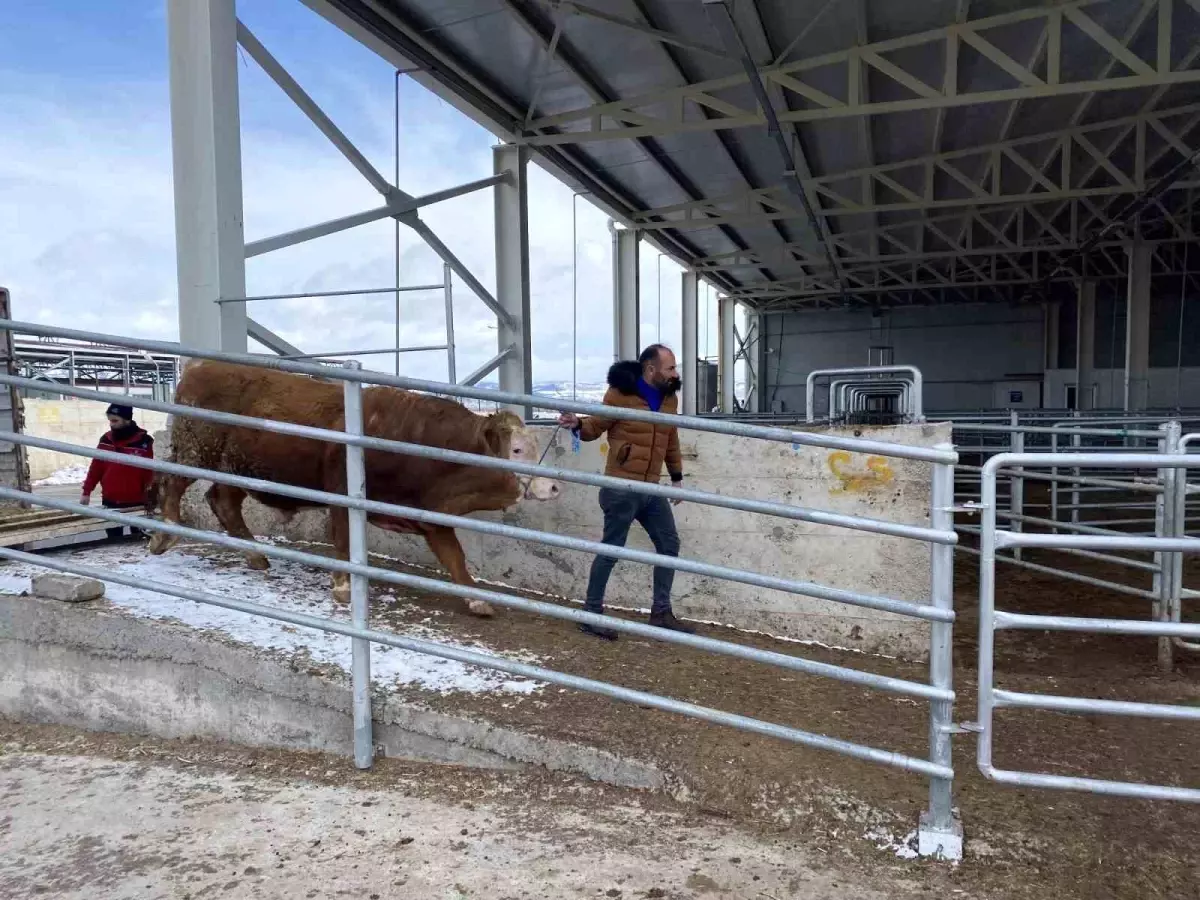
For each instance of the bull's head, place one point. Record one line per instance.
(508, 437)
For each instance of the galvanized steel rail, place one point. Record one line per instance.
(992, 620)
(938, 824)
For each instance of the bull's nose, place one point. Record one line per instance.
(554, 491)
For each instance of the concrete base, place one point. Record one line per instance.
(940, 843)
(105, 671)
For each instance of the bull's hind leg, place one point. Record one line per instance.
(226, 503)
(173, 489)
(339, 536)
(445, 546)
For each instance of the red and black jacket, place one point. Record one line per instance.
(121, 485)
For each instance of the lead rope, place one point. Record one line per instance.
(549, 443)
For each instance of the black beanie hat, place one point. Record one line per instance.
(116, 409)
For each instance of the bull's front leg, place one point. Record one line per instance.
(445, 546)
(339, 537)
(172, 491)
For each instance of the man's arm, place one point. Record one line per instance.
(674, 457)
(588, 427)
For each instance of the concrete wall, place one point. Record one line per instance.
(1169, 388)
(890, 489)
(76, 422)
(968, 354)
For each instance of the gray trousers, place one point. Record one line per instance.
(621, 510)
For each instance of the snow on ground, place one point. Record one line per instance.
(287, 586)
(69, 475)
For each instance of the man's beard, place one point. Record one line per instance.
(670, 386)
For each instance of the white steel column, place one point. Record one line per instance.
(1137, 328)
(727, 354)
(626, 294)
(207, 157)
(512, 270)
(689, 353)
(1085, 345)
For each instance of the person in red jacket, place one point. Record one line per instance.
(121, 487)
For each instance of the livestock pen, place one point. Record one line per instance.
(835, 705)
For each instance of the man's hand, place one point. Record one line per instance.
(568, 420)
(86, 499)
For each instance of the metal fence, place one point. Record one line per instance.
(1165, 625)
(939, 832)
(865, 389)
(1111, 500)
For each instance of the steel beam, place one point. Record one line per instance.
(1137, 328)
(626, 294)
(512, 271)
(727, 354)
(207, 157)
(1059, 79)
(689, 355)
(271, 340)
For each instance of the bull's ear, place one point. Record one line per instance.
(497, 434)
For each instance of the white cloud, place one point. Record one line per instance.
(87, 224)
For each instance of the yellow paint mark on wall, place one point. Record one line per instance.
(876, 474)
(48, 414)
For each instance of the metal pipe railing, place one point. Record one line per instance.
(488, 661)
(691, 495)
(991, 620)
(939, 611)
(695, 423)
(916, 393)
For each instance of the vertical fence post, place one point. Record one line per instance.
(356, 487)
(1165, 509)
(940, 834)
(1016, 491)
(448, 292)
(1076, 443)
(1054, 485)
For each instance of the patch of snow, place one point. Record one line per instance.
(883, 840)
(287, 586)
(68, 475)
(13, 584)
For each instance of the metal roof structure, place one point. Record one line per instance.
(831, 152)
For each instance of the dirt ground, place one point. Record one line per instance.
(1020, 843)
(120, 818)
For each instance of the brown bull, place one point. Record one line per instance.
(391, 478)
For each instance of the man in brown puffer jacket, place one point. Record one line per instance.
(637, 451)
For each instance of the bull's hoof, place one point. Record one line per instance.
(341, 594)
(161, 543)
(481, 609)
(258, 562)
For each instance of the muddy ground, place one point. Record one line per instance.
(1017, 840)
(1020, 843)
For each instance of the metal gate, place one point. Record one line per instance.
(991, 620)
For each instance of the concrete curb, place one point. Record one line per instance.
(93, 668)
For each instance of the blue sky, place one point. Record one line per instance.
(86, 214)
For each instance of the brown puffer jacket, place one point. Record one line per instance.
(636, 450)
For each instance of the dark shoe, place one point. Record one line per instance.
(596, 631)
(667, 620)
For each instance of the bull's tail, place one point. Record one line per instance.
(153, 492)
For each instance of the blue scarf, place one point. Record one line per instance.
(648, 392)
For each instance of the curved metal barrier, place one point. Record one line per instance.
(939, 833)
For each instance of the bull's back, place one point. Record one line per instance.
(258, 393)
